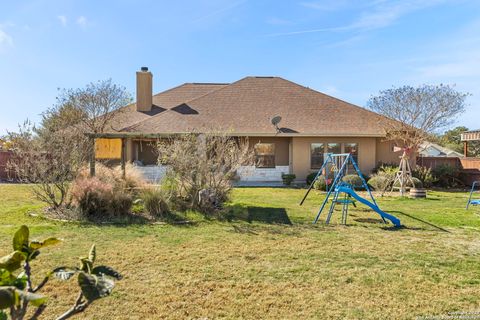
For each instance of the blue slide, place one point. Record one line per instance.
(374, 207)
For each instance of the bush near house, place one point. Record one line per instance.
(288, 178)
(425, 175)
(311, 177)
(353, 180)
(379, 182)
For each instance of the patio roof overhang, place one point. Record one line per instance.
(473, 135)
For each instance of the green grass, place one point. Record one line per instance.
(269, 261)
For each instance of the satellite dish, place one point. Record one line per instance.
(275, 121)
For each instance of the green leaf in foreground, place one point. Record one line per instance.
(94, 287)
(35, 245)
(8, 297)
(12, 262)
(107, 271)
(35, 299)
(92, 254)
(20, 239)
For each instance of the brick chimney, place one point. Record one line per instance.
(144, 90)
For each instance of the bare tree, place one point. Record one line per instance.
(203, 166)
(417, 111)
(52, 154)
(97, 104)
(49, 164)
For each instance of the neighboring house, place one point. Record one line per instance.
(312, 124)
(429, 149)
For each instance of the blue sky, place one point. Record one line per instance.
(350, 49)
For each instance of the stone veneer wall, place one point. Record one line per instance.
(251, 173)
(152, 174)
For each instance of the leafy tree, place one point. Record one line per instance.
(17, 291)
(418, 111)
(452, 139)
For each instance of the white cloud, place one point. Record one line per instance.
(380, 14)
(82, 22)
(63, 20)
(6, 40)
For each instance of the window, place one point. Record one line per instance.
(265, 155)
(352, 148)
(316, 155)
(334, 148)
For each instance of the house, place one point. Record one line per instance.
(312, 124)
(430, 149)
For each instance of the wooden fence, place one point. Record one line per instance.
(469, 167)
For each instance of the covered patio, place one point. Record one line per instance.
(473, 135)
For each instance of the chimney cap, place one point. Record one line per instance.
(145, 69)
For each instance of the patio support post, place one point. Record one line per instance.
(123, 156)
(92, 156)
(465, 149)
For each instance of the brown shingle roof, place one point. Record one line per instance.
(247, 106)
(163, 101)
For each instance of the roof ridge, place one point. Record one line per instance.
(209, 83)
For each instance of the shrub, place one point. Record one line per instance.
(353, 180)
(311, 177)
(384, 166)
(416, 181)
(154, 202)
(203, 166)
(425, 175)
(447, 176)
(379, 182)
(98, 199)
(91, 196)
(288, 178)
(320, 184)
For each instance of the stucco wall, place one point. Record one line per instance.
(385, 153)
(281, 147)
(301, 153)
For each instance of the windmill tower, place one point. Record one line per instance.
(404, 174)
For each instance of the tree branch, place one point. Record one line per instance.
(78, 307)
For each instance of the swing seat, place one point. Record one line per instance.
(475, 202)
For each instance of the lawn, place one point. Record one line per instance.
(269, 261)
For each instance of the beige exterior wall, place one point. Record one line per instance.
(301, 153)
(385, 153)
(282, 145)
(292, 152)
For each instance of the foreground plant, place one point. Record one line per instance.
(17, 291)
